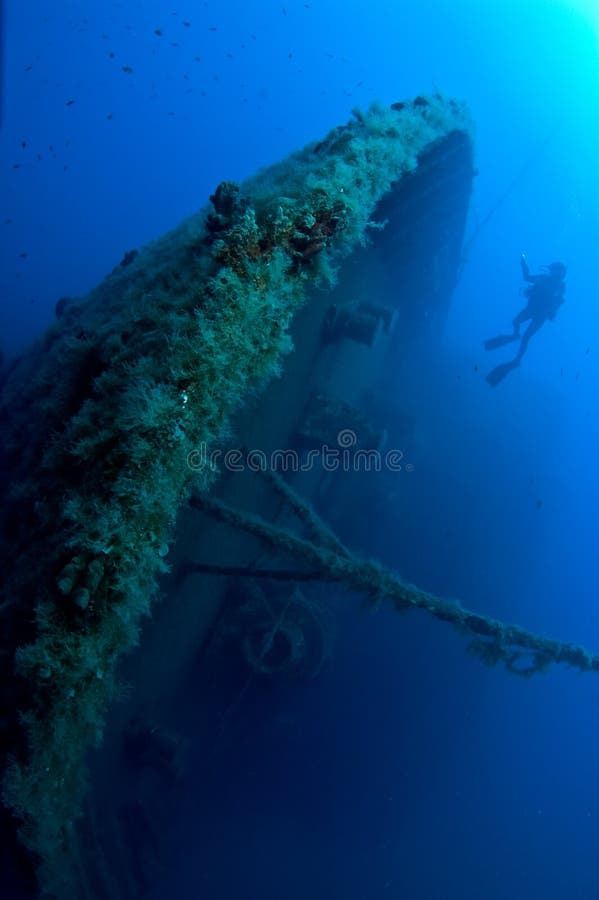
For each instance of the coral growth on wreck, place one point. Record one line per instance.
(100, 417)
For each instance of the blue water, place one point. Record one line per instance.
(406, 769)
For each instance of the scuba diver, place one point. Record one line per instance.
(545, 294)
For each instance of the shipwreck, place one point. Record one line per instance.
(126, 473)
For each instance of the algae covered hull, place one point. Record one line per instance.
(102, 416)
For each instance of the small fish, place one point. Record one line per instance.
(70, 102)
(197, 58)
(109, 116)
(23, 144)
(230, 56)
(127, 69)
(212, 28)
(111, 55)
(22, 256)
(158, 32)
(587, 351)
(475, 368)
(539, 504)
(187, 24)
(16, 166)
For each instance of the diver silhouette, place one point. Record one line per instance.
(545, 294)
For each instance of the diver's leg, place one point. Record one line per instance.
(523, 316)
(502, 339)
(534, 326)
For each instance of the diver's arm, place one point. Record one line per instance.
(558, 301)
(525, 270)
(533, 279)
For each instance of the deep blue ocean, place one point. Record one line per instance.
(405, 769)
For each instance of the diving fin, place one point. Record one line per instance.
(499, 372)
(500, 341)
